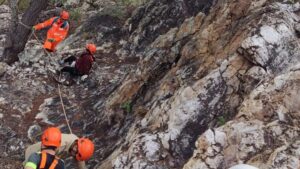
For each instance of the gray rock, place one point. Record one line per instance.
(158, 17)
(34, 132)
(72, 2)
(5, 18)
(3, 68)
(297, 29)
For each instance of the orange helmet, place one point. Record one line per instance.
(91, 47)
(64, 15)
(51, 137)
(85, 149)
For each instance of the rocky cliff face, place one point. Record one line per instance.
(5, 17)
(203, 73)
(180, 84)
(157, 17)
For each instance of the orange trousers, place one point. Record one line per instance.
(50, 45)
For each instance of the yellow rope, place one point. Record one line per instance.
(59, 91)
(28, 27)
(48, 54)
(62, 105)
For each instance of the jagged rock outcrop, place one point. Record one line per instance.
(157, 17)
(264, 133)
(198, 74)
(3, 68)
(183, 84)
(5, 19)
(29, 100)
(5, 12)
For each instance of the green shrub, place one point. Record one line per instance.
(221, 121)
(126, 106)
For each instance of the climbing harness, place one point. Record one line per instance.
(44, 161)
(59, 90)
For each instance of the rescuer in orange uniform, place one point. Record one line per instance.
(57, 32)
(80, 148)
(46, 156)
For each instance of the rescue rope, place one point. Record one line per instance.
(32, 32)
(26, 26)
(63, 106)
(59, 90)
(48, 54)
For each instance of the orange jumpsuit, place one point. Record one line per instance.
(58, 31)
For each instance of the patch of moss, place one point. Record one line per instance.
(2, 2)
(126, 106)
(23, 4)
(221, 120)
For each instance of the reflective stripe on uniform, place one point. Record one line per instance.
(54, 163)
(43, 160)
(56, 34)
(31, 165)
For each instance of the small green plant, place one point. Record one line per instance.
(126, 106)
(221, 121)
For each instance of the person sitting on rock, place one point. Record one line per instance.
(44, 157)
(80, 148)
(59, 28)
(83, 63)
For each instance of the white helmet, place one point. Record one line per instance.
(242, 166)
